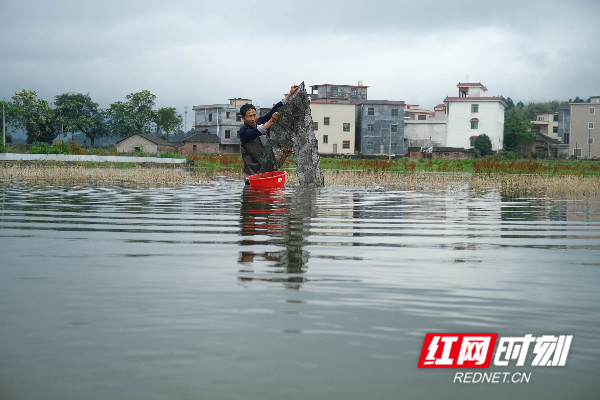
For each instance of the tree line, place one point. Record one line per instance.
(518, 119)
(531, 110)
(77, 112)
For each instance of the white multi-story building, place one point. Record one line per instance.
(473, 113)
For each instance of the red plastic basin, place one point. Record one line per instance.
(268, 179)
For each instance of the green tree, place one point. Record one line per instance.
(141, 105)
(483, 144)
(136, 115)
(118, 119)
(78, 113)
(509, 103)
(34, 116)
(516, 129)
(167, 120)
(531, 110)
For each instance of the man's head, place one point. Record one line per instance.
(248, 112)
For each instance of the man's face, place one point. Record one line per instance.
(250, 118)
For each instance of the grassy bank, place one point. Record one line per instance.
(491, 165)
(508, 184)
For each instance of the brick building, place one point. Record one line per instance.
(201, 143)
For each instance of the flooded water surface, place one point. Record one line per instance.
(222, 292)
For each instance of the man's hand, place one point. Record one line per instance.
(270, 122)
(292, 91)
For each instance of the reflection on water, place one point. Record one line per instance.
(286, 223)
(184, 292)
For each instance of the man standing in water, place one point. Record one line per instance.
(255, 132)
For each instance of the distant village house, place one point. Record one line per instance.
(146, 143)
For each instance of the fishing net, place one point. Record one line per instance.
(293, 134)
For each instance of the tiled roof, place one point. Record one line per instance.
(153, 139)
(202, 137)
(471, 85)
(475, 99)
(331, 84)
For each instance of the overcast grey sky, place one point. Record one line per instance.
(201, 52)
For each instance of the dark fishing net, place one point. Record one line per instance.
(293, 134)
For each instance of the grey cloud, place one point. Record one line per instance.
(194, 51)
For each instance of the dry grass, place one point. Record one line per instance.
(507, 184)
(539, 185)
(76, 175)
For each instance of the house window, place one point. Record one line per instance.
(591, 140)
(238, 117)
(555, 129)
(394, 112)
(369, 145)
(473, 138)
(394, 147)
(394, 128)
(315, 126)
(370, 111)
(209, 117)
(227, 134)
(474, 108)
(194, 147)
(346, 144)
(577, 152)
(474, 124)
(556, 118)
(354, 91)
(325, 139)
(592, 110)
(422, 117)
(227, 114)
(326, 121)
(567, 136)
(590, 125)
(370, 127)
(347, 127)
(333, 91)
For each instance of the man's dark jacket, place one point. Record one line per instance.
(252, 147)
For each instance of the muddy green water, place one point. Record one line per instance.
(220, 292)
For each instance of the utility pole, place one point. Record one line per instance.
(390, 146)
(3, 124)
(589, 144)
(185, 123)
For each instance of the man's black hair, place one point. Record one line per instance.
(245, 108)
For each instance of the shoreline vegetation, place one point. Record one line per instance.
(509, 177)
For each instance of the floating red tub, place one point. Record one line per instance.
(267, 179)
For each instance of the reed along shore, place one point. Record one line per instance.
(507, 184)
